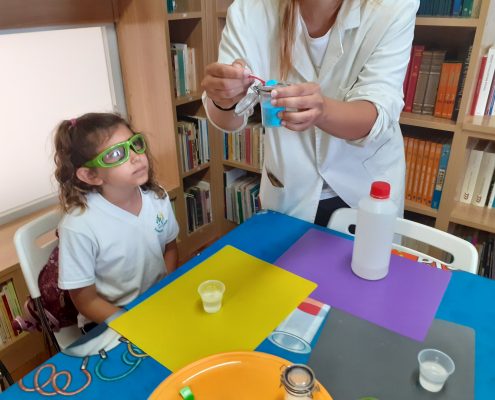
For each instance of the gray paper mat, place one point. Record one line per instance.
(354, 358)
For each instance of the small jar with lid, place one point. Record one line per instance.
(299, 382)
(262, 94)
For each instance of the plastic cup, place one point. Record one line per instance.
(434, 368)
(269, 117)
(211, 293)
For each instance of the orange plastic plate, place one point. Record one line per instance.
(227, 376)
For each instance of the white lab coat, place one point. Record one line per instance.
(366, 59)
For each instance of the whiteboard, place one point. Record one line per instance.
(47, 76)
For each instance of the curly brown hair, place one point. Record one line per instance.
(76, 142)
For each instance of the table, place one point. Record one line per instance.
(469, 300)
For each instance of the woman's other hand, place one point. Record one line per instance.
(226, 84)
(306, 98)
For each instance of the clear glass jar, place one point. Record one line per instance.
(299, 382)
(262, 94)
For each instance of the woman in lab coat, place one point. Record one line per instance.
(346, 61)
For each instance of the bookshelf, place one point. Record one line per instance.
(146, 32)
(449, 33)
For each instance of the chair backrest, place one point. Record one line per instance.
(464, 253)
(33, 257)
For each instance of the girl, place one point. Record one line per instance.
(345, 61)
(117, 237)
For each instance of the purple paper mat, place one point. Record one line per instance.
(404, 302)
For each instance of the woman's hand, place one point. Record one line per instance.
(306, 98)
(226, 84)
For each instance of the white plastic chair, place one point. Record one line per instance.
(32, 258)
(464, 253)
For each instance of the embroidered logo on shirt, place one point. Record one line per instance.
(160, 222)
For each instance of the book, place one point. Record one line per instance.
(462, 80)
(434, 172)
(451, 90)
(440, 178)
(180, 50)
(442, 89)
(489, 110)
(424, 72)
(491, 198)
(486, 82)
(474, 156)
(478, 85)
(415, 62)
(432, 83)
(485, 174)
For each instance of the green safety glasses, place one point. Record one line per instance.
(118, 153)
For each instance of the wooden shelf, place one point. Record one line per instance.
(448, 21)
(187, 99)
(482, 218)
(19, 338)
(239, 165)
(221, 14)
(193, 171)
(479, 124)
(173, 193)
(427, 121)
(420, 208)
(184, 15)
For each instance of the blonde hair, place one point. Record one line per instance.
(287, 29)
(76, 142)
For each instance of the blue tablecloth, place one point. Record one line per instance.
(125, 374)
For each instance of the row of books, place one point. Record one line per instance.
(478, 183)
(241, 195)
(198, 205)
(426, 164)
(9, 310)
(484, 245)
(184, 67)
(484, 94)
(433, 86)
(246, 146)
(453, 8)
(486, 257)
(194, 145)
(171, 6)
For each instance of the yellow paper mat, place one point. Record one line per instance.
(172, 327)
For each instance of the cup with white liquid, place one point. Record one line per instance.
(211, 292)
(434, 368)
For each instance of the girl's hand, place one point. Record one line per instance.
(226, 84)
(306, 98)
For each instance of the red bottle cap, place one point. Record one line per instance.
(380, 190)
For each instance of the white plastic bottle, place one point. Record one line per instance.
(376, 218)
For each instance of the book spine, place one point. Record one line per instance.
(452, 89)
(434, 172)
(486, 83)
(422, 83)
(484, 178)
(442, 90)
(442, 169)
(432, 84)
(471, 174)
(462, 80)
(478, 85)
(417, 55)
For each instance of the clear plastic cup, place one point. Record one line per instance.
(269, 113)
(434, 368)
(211, 293)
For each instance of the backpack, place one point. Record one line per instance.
(58, 306)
